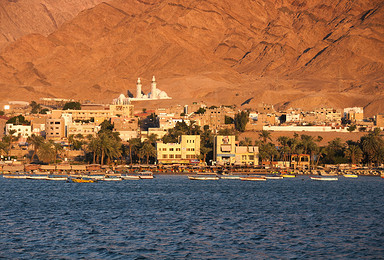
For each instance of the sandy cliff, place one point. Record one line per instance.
(289, 53)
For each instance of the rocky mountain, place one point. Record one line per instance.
(21, 17)
(289, 53)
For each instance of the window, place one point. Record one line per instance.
(178, 156)
(251, 157)
(171, 156)
(165, 156)
(177, 149)
(243, 157)
(164, 149)
(171, 149)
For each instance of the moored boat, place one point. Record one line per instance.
(274, 177)
(82, 180)
(253, 178)
(130, 177)
(146, 175)
(57, 178)
(15, 176)
(111, 179)
(230, 177)
(324, 178)
(37, 177)
(350, 175)
(288, 176)
(204, 178)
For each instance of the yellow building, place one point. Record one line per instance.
(186, 151)
(225, 151)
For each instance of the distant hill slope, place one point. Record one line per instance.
(21, 17)
(291, 53)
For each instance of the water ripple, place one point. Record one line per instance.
(174, 218)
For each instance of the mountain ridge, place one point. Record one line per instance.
(289, 53)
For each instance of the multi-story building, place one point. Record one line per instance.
(23, 131)
(84, 129)
(55, 129)
(379, 120)
(186, 151)
(225, 151)
(354, 114)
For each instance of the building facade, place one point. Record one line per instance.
(186, 151)
(225, 151)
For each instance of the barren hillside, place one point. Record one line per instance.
(289, 53)
(21, 17)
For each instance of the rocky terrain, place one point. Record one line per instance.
(297, 53)
(22, 17)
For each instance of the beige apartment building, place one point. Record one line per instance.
(96, 116)
(55, 129)
(186, 151)
(225, 151)
(82, 129)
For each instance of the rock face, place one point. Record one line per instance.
(21, 17)
(289, 53)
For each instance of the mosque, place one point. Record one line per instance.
(140, 96)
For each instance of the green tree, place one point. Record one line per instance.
(18, 120)
(36, 141)
(352, 128)
(134, 146)
(46, 152)
(241, 120)
(264, 136)
(373, 147)
(147, 150)
(201, 110)
(228, 120)
(72, 106)
(35, 108)
(354, 154)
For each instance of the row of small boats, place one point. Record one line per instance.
(83, 178)
(264, 178)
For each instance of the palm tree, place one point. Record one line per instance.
(148, 151)
(284, 150)
(204, 151)
(57, 147)
(46, 152)
(265, 136)
(9, 139)
(134, 145)
(354, 153)
(94, 147)
(36, 141)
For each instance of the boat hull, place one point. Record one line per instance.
(324, 178)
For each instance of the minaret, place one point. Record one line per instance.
(138, 88)
(153, 88)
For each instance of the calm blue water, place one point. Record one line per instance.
(172, 217)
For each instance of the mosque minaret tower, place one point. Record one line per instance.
(138, 88)
(153, 88)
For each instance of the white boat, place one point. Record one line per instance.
(111, 179)
(130, 177)
(253, 178)
(204, 178)
(37, 177)
(146, 175)
(230, 177)
(57, 178)
(15, 176)
(274, 177)
(324, 178)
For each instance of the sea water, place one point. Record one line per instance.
(171, 217)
